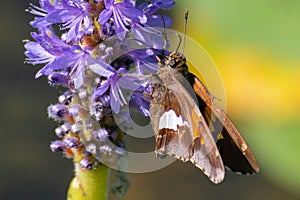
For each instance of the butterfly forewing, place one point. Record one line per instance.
(235, 152)
(180, 129)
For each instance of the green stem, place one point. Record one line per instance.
(89, 185)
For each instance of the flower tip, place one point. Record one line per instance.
(86, 164)
(56, 146)
(25, 40)
(38, 75)
(58, 111)
(72, 142)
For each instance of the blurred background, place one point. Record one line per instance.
(255, 45)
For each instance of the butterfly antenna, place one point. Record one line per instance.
(164, 35)
(180, 40)
(185, 25)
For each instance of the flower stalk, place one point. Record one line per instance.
(91, 184)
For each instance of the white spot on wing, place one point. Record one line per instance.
(170, 120)
(244, 148)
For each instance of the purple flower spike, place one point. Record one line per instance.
(101, 54)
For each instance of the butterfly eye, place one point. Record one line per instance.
(172, 63)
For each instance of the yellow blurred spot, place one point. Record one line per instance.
(119, 1)
(202, 141)
(244, 148)
(220, 136)
(259, 85)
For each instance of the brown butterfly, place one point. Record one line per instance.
(182, 122)
(182, 127)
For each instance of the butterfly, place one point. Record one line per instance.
(181, 122)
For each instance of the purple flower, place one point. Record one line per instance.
(73, 16)
(41, 12)
(123, 15)
(49, 49)
(116, 81)
(60, 56)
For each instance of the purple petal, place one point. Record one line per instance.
(108, 3)
(104, 16)
(44, 71)
(62, 62)
(59, 16)
(130, 12)
(101, 90)
(57, 78)
(140, 103)
(165, 3)
(39, 23)
(114, 102)
(99, 67)
(119, 26)
(130, 83)
(78, 78)
(159, 21)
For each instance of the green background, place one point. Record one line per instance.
(256, 46)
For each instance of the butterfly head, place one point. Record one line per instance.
(175, 60)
